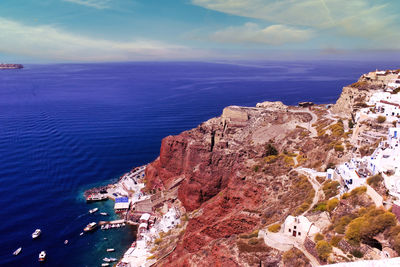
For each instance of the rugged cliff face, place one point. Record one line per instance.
(228, 185)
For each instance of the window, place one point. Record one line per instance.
(290, 230)
(294, 227)
(299, 233)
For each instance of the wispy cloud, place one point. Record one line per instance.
(99, 4)
(356, 18)
(54, 44)
(251, 33)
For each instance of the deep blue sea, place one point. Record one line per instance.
(67, 127)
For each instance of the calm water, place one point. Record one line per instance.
(66, 128)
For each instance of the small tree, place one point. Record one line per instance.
(381, 119)
(323, 249)
(332, 204)
(270, 150)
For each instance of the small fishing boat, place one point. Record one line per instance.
(93, 210)
(110, 250)
(42, 256)
(107, 259)
(113, 259)
(36, 234)
(15, 253)
(90, 227)
(105, 264)
(66, 241)
(104, 213)
(81, 234)
(105, 238)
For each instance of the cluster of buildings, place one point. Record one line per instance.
(385, 160)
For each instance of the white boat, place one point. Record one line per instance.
(15, 253)
(93, 210)
(113, 259)
(66, 241)
(110, 250)
(107, 259)
(90, 227)
(105, 264)
(36, 234)
(104, 213)
(42, 256)
(81, 234)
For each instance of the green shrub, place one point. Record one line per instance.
(335, 240)
(356, 253)
(320, 206)
(339, 148)
(270, 150)
(319, 237)
(331, 189)
(353, 231)
(323, 249)
(332, 204)
(375, 180)
(381, 119)
(274, 228)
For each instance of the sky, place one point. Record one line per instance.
(141, 30)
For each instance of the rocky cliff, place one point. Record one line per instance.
(232, 181)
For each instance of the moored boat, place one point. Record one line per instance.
(42, 256)
(66, 241)
(104, 213)
(110, 250)
(107, 259)
(16, 252)
(36, 234)
(105, 264)
(90, 227)
(93, 210)
(97, 197)
(113, 259)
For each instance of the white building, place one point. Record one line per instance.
(299, 227)
(351, 178)
(330, 173)
(387, 108)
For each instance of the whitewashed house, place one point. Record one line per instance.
(330, 174)
(387, 108)
(299, 227)
(348, 172)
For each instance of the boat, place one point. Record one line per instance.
(42, 256)
(15, 253)
(94, 198)
(81, 234)
(104, 213)
(105, 238)
(107, 259)
(105, 264)
(66, 241)
(90, 227)
(110, 250)
(36, 234)
(113, 259)
(93, 210)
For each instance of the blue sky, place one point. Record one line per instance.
(129, 30)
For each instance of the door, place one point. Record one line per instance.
(294, 233)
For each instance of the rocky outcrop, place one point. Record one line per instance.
(228, 185)
(350, 100)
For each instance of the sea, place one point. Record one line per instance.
(65, 128)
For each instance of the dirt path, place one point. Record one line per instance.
(308, 125)
(319, 193)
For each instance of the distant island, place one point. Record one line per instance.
(10, 66)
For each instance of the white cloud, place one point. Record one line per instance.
(99, 4)
(271, 35)
(359, 18)
(51, 43)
